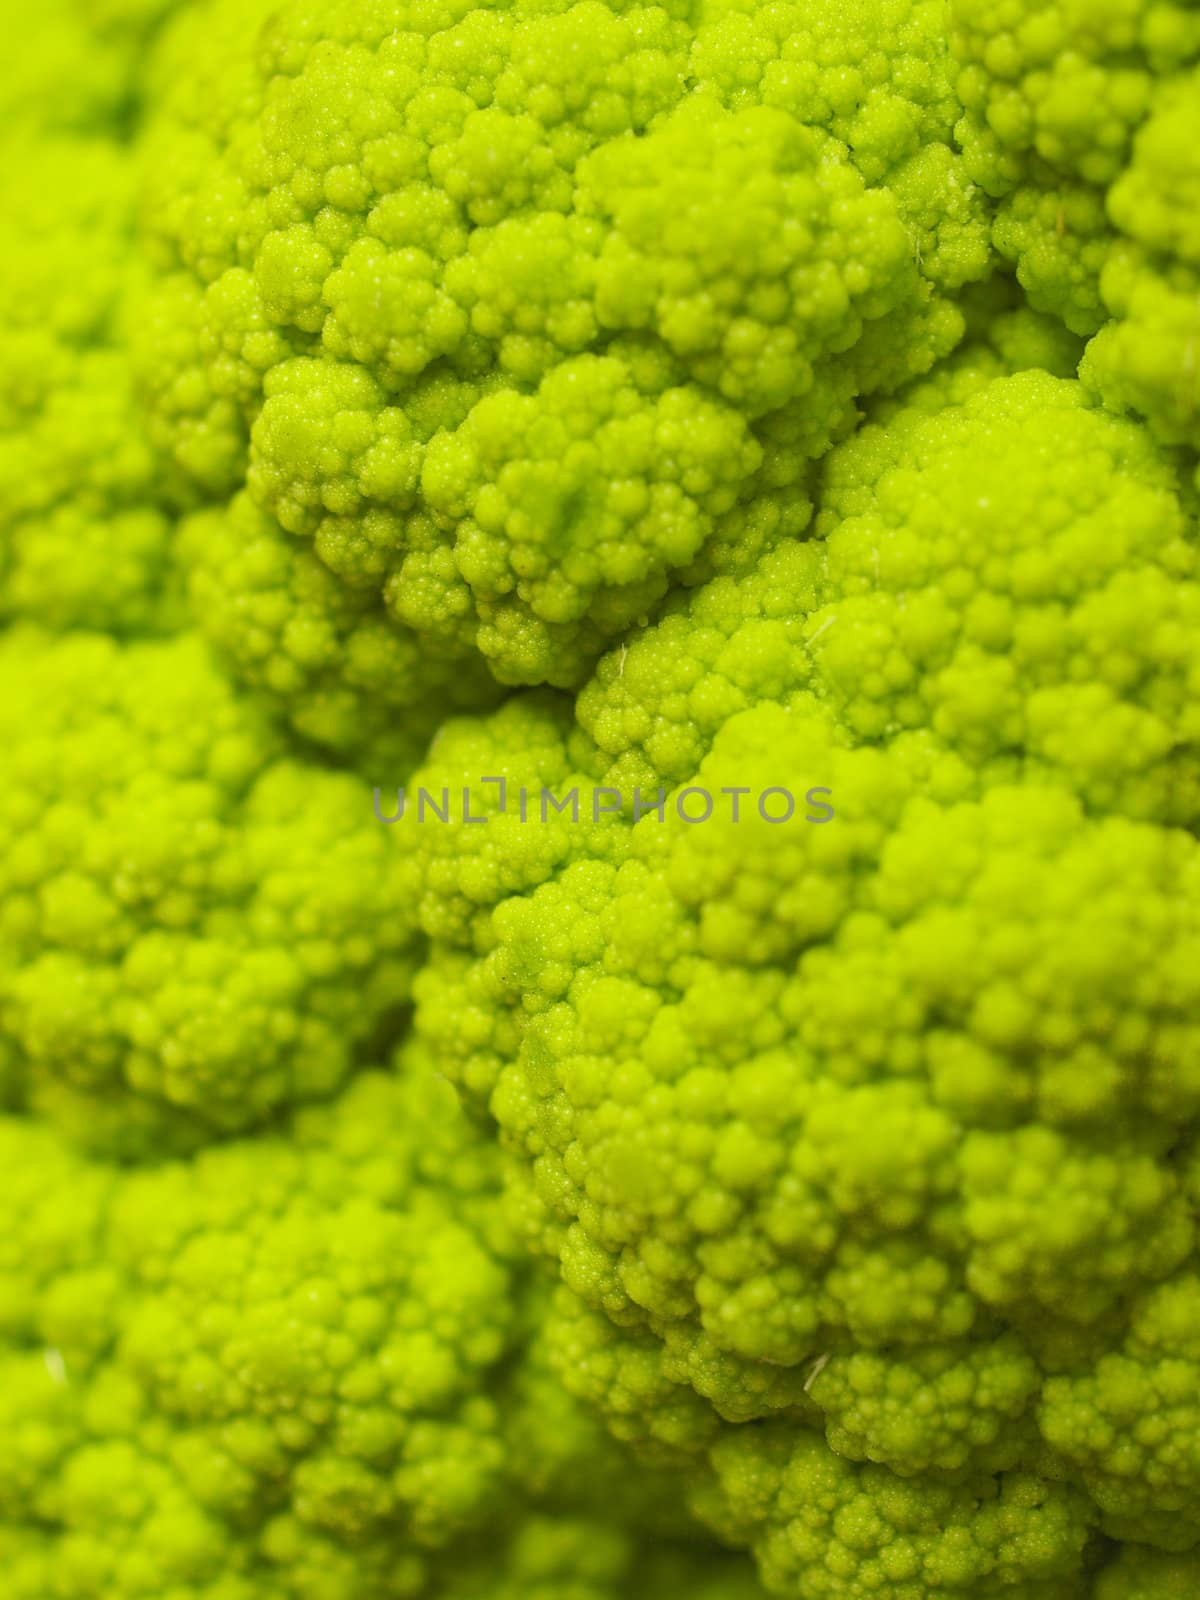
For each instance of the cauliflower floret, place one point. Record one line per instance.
(196, 928)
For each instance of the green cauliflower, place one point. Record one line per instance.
(1017, 574)
(720, 1118)
(300, 1367)
(818, 1122)
(197, 926)
(77, 66)
(997, 562)
(354, 315)
(87, 504)
(317, 653)
(1081, 121)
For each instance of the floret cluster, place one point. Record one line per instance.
(561, 397)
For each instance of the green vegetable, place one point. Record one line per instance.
(299, 1366)
(1084, 123)
(431, 301)
(196, 928)
(600, 818)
